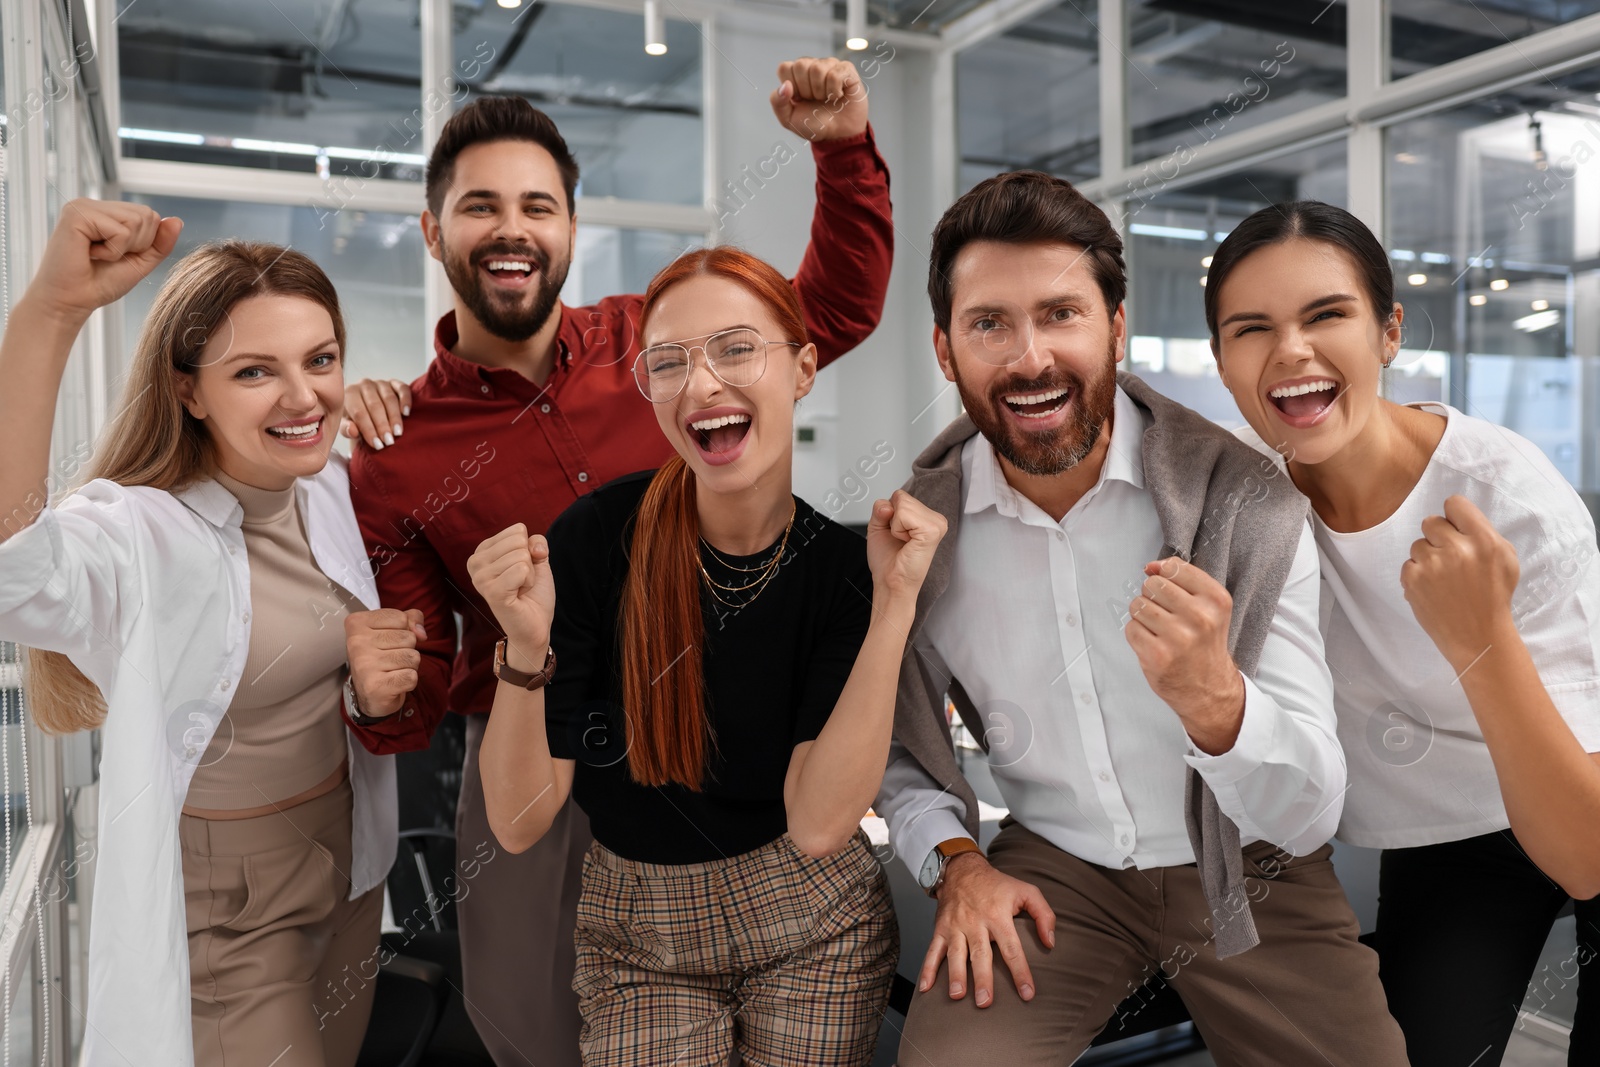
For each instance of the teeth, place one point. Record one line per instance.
(713, 424)
(295, 431)
(508, 264)
(1035, 398)
(1302, 390)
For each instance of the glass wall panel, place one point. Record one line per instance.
(1172, 237)
(1427, 33)
(299, 85)
(1494, 227)
(633, 120)
(1029, 98)
(1193, 78)
(375, 260)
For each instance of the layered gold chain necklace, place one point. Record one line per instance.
(764, 572)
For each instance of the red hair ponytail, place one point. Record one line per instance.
(663, 629)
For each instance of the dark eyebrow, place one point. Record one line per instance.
(490, 194)
(1261, 316)
(1055, 300)
(268, 357)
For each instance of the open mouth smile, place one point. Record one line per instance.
(1304, 402)
(719, 435)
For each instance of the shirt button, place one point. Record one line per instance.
(1072, 620)
(232, 551)
(1083, 698)
(246, 616)
(1104, 777)
(1124, 839)
(409, 711)
(1061, 535)
(225, 685)
(545, 408)
(484, 388)
(583, 476)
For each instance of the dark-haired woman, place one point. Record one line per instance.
(1461, 628)
(186, 599)
(722, 704)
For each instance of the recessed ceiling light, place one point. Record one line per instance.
(1541, 305)
(1417, 279)
(1477, 300)
(1203, 279)
(1499, 285)
(1206, 262)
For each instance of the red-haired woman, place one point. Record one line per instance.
(722, 711)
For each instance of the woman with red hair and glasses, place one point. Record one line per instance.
(723, 704)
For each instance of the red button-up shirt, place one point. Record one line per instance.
(486, 448)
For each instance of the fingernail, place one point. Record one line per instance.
(377, 445)
(388, 438)
(405, 410)
(922, 987)
(1027, 992)
(398, 429)
(957, 989)
(982, 997)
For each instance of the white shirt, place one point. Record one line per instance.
(1420, 772)
(1083, 751)
(149, 594)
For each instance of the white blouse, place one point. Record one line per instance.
(1420, 773)
(148, 592)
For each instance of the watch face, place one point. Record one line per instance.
(929, 874)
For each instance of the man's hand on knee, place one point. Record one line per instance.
(977, 913)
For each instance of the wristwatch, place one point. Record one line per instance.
(939, 857)
(511, 676)
(354, 708)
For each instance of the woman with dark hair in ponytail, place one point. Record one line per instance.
(1461, 618)
(722, 706)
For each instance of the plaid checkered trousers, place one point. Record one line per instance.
(788, 958)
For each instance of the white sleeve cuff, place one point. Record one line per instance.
(1257, 734)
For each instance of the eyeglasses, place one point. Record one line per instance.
(736, 357)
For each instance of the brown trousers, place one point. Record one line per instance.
(282, 965)
(516, 915)
(1308, 993)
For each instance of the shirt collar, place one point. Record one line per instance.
(446, 335)
(987, 486)
(208, 499)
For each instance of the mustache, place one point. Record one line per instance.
(1043, 383)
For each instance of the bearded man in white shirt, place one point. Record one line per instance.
(1124, 611)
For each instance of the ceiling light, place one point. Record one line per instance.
(1477, 300)
(1405, 157)
(1206, 262)
(655, 29)
(510, 3)
(855, 24)
(1541, 305)
(1203, 278)
(1539, 320)
(1417, 279)
(1499, 285)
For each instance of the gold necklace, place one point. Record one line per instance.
(764, 572)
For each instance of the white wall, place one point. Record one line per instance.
(867, 405)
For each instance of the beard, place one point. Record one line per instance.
(502, 313)
(1047, 452)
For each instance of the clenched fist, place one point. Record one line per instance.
(1459, 581)
(901, 537)
(1178, 627)
(99, 250)
(820, 99)
(382, 647)
(511, 571)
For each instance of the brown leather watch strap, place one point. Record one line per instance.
(521, 679)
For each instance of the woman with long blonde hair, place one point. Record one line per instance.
(186, 598)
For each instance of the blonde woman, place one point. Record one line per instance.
(187, 599)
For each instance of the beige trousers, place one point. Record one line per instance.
(282, 965)
(1307, 994)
